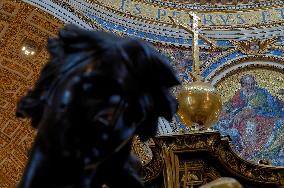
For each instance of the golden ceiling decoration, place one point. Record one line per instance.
(24, 30)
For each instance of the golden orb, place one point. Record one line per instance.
(199, 103)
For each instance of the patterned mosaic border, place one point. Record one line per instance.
(155, 30)
(189, 5)
(266, 62)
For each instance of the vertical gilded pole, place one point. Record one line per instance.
(194, 31)
(196, 73)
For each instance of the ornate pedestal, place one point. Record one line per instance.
(194, 159)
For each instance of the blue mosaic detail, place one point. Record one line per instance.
(220, 62)
(280, 40)
(224, 43)
(276, 52)
(179, 123)
(141, 34)
(150, 36)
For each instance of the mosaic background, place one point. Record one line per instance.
(255, 135)
(255, 122)
(19, 23)
(249, 40)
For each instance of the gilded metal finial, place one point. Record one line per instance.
(199, 102)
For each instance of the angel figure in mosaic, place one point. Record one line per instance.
(251, 117)
(97, 91)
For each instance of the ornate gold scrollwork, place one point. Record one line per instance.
(154, 168)
(255, 46)
(199, 157)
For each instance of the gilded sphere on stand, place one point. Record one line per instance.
(199, 103)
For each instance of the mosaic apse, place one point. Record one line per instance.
(253, 113)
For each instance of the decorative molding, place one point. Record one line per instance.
(209, 146)
(237, 64)
(155, 167)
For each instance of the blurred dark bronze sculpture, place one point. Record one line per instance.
(96, 92)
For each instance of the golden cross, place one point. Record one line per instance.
(194, 31)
